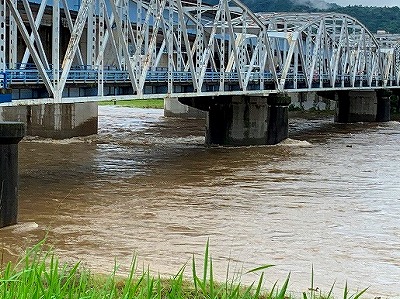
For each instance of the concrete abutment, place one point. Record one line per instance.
(57, 121)
(174, 108)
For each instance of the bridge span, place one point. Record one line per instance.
(217, 56)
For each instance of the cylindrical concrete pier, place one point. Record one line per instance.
(10, 134)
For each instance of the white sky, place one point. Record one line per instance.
(366, 2)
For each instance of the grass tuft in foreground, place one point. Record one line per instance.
(39, 274)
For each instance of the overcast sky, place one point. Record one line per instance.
(366, 2)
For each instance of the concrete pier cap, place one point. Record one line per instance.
(10, 134)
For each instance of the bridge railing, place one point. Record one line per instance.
(4, 80)
(82, 74)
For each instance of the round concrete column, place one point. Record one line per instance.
(10, 134)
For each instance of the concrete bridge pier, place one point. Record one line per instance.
(237, 121)
(57, 121)
(10, 134)
(396, 100)
(383, 105)
(244, 120)
(278, 119)
(362, 106)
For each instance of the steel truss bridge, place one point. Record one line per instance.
(180, 48)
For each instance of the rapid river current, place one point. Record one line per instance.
(328, 199)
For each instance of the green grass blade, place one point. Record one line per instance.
(346, 292)
(282, 293)
(260, 268)
(360, 293)
(271, 293)
(330, 291)
(194, 273)
(212, 294)
(206, 263)
(258, 290)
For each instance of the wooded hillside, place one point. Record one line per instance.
(374, 18)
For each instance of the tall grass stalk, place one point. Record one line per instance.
(39, 274)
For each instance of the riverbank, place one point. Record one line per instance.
(151, 103)
(40, 274)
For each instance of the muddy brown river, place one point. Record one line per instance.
(328, 198)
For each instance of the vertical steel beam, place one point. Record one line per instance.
(199, 42)
(123, 36)
(56, 50)
(262, 57)
(321, 60)
(222, 47)
(90, 35)
(100, 65)
(179, 56)
(3, 40)
(243, 51)
(233, 41)
(12, 47)
(139, 13)
(296, 62)
(170, 38)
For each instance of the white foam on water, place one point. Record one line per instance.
(24, 227)
(295, 142)
(72, 140)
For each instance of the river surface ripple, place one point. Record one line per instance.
(328, 198)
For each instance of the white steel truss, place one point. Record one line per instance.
(188, 47)
(327, 50)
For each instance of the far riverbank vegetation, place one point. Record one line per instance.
(150, 103)
(40, 274)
